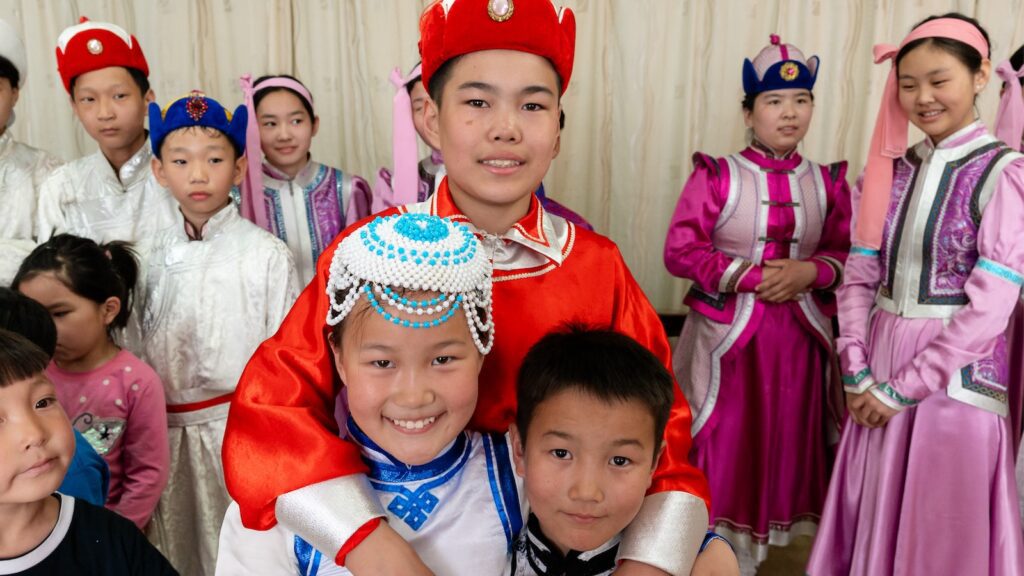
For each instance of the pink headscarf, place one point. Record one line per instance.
(1010, 117)
(252, 186)
(889, 139)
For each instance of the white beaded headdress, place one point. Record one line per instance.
(415, 252)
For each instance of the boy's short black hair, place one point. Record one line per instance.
(25, 316)
(603, 363)
(20, 359)
(444, 72)
(7, 70)
(138, 77)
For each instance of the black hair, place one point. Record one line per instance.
(444, 72)
(262, 93)
(91, 270)
(209, 131)
(138, 77)
(603, 363)
(1017, 60)
(20, 359)
(412, 81)
(967, 55)
(25, 316)
(749, 99)
(7, 70)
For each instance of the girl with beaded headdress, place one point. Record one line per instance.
(923, 481)
(411, 323)
(301, 201)
(762, 234)
(547, 271)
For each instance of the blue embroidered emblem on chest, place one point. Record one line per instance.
(413, 507)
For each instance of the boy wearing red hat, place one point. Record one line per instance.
(111, 194)
(496, 71)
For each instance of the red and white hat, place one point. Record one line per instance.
(89, 46)
(450, 28)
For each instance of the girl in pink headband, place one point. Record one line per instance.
(285, 192)
(924, 481)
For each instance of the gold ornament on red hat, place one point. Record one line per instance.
(500, 10)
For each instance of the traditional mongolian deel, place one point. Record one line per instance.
(211, 296)
(757, 373)
(306, 210)
(290, 395)
(469, 494)
(749, 363)
(88, 197)
(922, 324)
(208, 304)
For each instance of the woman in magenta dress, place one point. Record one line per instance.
(763, 234)
(924, 479)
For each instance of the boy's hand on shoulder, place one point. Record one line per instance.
(717, 559)
(385, 553)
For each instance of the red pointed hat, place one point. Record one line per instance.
(89, 46)
(450, 28)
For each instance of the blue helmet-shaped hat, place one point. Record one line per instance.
(196, 109)
(777, 67)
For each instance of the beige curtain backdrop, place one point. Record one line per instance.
(654, 82)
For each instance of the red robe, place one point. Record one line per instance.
(281, 435)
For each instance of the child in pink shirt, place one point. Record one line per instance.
(114, 399)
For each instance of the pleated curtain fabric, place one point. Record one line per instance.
(655, 81)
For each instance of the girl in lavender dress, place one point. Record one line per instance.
(763, 234)
(924, 479)
(304, 203)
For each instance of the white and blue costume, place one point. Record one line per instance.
(469, 495)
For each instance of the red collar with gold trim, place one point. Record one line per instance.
(547, 236)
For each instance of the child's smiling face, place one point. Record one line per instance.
(410, 390)
(497, 127)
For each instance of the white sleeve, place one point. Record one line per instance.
(243, 552)
(282, 287)
(49, 212)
